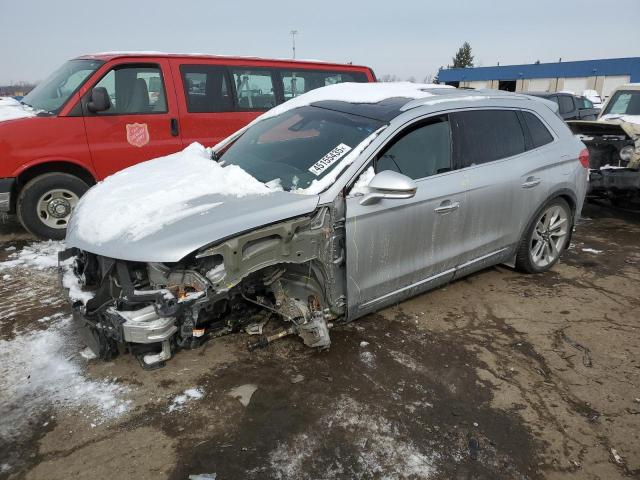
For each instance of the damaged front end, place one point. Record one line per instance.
(292, 272)
(614, 152)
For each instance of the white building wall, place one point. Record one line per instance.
(539, 84)
(610, 83)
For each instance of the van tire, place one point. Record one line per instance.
(524, 260)
(37, 199)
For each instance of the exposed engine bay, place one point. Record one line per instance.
(291, 272)
(614, 158)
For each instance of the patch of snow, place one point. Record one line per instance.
(88, 354)
(454, 99)
(361, 185)
(142, 199)
(11, 109)
(39, 371)
(364, 344)
(355, 93)
(612, 167)
(5, 467)
(10, 249)
(6, 277)
(617, 117)
(243, 393)
(592, 250)
(179, 401)
(378, 445)
(368, 358)
(36, 255)
(71, 283)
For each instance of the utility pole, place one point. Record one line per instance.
(293, 41)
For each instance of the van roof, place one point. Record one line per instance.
(106, 56)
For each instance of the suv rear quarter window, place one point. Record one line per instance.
(540, 135)
(486, 135)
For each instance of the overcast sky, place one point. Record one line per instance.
(404, 38)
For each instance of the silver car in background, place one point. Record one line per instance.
(435, 188)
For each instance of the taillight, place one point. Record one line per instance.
(584, 158)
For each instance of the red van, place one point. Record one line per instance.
(101, 113)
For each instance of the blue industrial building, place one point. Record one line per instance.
(601, 75)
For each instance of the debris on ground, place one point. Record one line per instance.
(180, 400)
(297, 378)
(617, 459)
(243, 393)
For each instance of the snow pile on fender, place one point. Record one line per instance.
(11, 109)
(140, 200)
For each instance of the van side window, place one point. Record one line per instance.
(254, 89)
(540, 135)
(134, 89)
(419, 152)
(206, 88)
(487, 135)
(297, 82)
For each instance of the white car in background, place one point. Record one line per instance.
(594, 97)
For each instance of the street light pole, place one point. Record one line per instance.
(293, 41)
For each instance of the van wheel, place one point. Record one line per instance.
(546, 237)
(46, 202)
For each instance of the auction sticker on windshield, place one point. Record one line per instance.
(329, 159)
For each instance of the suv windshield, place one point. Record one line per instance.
(299, 146)
(624, 102)
(53, 92)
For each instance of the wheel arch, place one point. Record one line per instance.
(51, 166)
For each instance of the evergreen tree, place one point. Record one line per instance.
(463, 57)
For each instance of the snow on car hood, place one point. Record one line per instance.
(163, 209)
(11, 109)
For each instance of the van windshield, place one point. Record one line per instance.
(53, 92)
(299, 146)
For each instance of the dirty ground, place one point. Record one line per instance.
(496, 376)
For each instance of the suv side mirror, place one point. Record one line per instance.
(99, 100)
(389, 184)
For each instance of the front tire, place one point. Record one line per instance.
(45, 204)
(546, 237)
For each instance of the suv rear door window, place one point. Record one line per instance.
(487, 135)
(254, 89)
(297, 82)
(540, 135)
(421, 151)
(134, 89)
(206, 88)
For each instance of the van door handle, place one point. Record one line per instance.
(531, 182)
(447, 206)
(174, 127)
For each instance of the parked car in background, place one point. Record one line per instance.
(594, 97)
(570, 107)
(101, 113)
(336, 204)
(614, 145)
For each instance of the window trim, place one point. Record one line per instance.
(85, 97)
(225, 72)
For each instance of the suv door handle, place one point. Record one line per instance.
(174, 127)
(447, 206)
(531, 182)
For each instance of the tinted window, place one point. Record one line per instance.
(254, 89)
(134, 89)
(566, 103)
(420, 152)
(206, 88)
(539, 133)
(487, 135)
(297, 82)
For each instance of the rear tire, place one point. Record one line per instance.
(546, 237)
(45, 204)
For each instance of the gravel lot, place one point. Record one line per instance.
(496, 376)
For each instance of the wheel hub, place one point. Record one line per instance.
(59, 208)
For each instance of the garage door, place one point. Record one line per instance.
(610, 83)
(539, 84)
(576, 85)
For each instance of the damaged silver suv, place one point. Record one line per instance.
(328, 207)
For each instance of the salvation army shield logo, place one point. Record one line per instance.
(137, 134)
